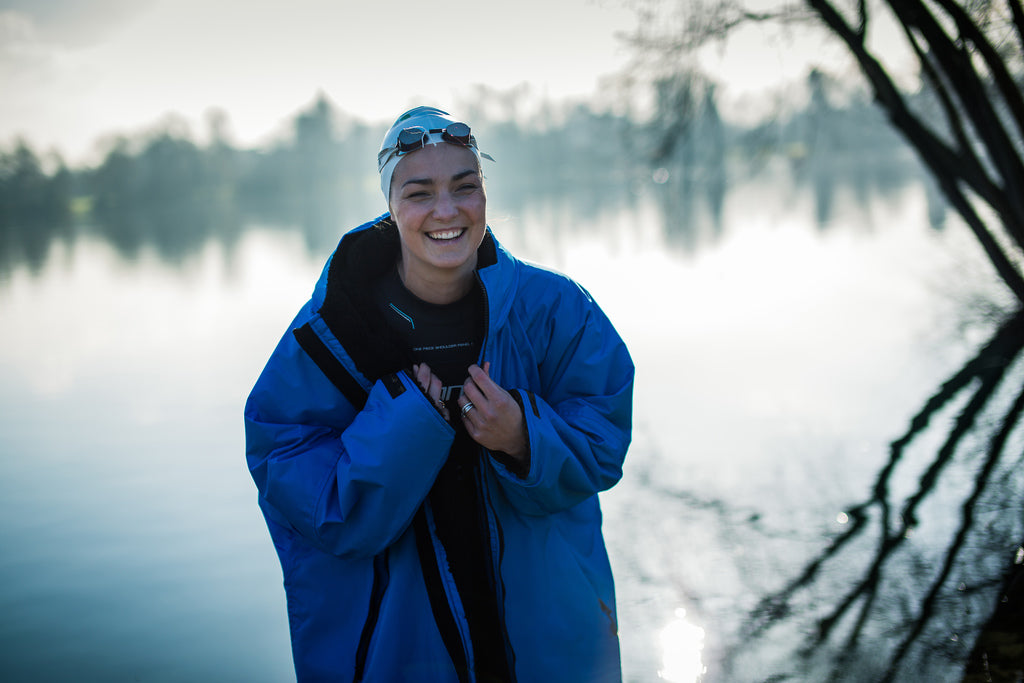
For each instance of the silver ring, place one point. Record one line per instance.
(466, 408)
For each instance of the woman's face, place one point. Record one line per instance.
(439, 204)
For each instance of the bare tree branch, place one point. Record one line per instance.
(956, 63)
(995, 453)
(1008, 89)
(703, 24)
(1018, 20)
(944, 162)
(970, 165)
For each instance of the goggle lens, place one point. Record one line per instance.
(411, 139)
(458, 132)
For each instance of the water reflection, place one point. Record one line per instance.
(775, 362)
(927, 593)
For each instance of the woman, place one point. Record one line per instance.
(429, 439)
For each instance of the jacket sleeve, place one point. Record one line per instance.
(579, 415)
(347, 480)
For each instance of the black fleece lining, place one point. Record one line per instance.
(533, 403)
(351, 314)
(487, 254)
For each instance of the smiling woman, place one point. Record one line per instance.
(429, 440)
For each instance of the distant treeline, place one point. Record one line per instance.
(330, 151)
(166, 189)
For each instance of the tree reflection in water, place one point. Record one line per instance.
(989, 514)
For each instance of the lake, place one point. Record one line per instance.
(784, 333)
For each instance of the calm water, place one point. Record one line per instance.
(780, 345)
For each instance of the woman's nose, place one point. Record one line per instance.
(445, 207)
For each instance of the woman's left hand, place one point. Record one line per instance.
(495, 420)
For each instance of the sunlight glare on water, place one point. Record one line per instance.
(682, 644)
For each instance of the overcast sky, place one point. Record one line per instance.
(73, 71)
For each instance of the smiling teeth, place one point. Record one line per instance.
(446, 235)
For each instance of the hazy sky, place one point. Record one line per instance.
(73, 71)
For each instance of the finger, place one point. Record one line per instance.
(428, 381)
(482, 380)
(434, 394)
(422, 373)
(472, 428)
(471, 392)
(435, 387)
(468, 415)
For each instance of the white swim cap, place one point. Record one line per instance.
(415, 129)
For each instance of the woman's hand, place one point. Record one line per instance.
(495, 420)
(431, 386)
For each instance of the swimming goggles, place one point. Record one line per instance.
(416, 137)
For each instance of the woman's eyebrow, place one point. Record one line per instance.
(430, 181)
(418, 181)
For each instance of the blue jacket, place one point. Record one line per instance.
(344, 447)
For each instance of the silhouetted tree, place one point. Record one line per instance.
(967, 126)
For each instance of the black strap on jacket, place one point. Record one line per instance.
(331, 366)
(438, 599)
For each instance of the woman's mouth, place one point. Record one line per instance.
(445, 235)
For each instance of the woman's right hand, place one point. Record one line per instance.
(431, 386)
